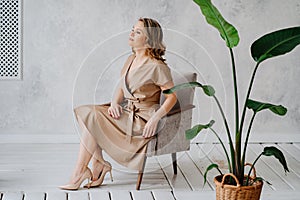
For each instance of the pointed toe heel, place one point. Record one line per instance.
(86, 175)
(107, 168)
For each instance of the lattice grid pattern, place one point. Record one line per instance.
(10, 39)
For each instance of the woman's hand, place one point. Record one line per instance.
(115, 111)
(150, 127)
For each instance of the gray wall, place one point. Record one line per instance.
(74, 49)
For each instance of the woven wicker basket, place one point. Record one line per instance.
(237, 192)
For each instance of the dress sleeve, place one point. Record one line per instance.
(162, 74)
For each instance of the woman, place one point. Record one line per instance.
(124, 131)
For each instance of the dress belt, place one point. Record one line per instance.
(133, 109)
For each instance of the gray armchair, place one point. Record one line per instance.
(170, 137)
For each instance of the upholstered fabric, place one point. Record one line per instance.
(170, 136)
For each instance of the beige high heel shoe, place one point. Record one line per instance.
(86, 175)
(106, 168)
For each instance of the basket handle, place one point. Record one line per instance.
(253, 169)
(233, 176)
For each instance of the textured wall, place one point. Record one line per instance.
(74, 49)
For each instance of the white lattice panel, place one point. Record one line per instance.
(10, 39)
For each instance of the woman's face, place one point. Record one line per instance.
(137, 36)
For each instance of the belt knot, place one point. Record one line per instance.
(133, 109)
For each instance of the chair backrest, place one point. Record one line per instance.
(185, 96)
(170, 135)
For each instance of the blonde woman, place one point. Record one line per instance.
(124, 131)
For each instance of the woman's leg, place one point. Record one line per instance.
(87, 148)
(97, 161)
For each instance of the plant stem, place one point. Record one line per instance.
(220, 171)
(228, 134)
(244, 114)
(235, 91)
(247, 97)
(237, 133)
(247, 180)
(246, 141)
(229, 165)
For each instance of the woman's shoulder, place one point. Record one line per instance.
(129, 58)
(158, 63)
(159, 67)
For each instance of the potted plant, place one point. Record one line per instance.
(237, 184)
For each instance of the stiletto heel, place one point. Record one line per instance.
(86, 175)
(111, 178)
(106, 168)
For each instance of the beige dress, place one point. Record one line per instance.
(122, 138)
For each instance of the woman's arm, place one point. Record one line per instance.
(115, 110)
(118, 96)
(170, 101)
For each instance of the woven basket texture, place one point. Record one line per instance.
(237, 192)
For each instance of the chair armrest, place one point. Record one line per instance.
(178, 110)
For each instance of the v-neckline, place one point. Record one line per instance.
(125, 77)
(126, 74)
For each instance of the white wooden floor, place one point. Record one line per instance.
(33, 172)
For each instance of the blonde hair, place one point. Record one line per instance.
(154, 39)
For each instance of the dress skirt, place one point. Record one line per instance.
(110, 134)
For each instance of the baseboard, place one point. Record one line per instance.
(74, 138)
(38, 138)
(257, 138)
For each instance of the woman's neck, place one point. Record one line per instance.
(140, 54)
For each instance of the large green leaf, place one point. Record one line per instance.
(257, 106)
(210, 167)
(193, 132)
(214, 18)
(273, 151)
(207, 89)
(182, 86)
(261, 179)
(275, 43)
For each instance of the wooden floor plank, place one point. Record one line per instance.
(292, 149)
(277, 195)
(12, 196)
(78, 195)
(296, 144)
(34, 196)
(195, 195)
(291, 178)
(163, 195)
(99, 195)
(265, 171)
(23, 168)
(127, 181)
(191, 173)
(54, 195)
(120, 195)
(202, 161)
(176, 181)
(141, 195)
(293, 164)
(212, 153)
(121, 181)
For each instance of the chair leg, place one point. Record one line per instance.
(174, 160)
(140, 176)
